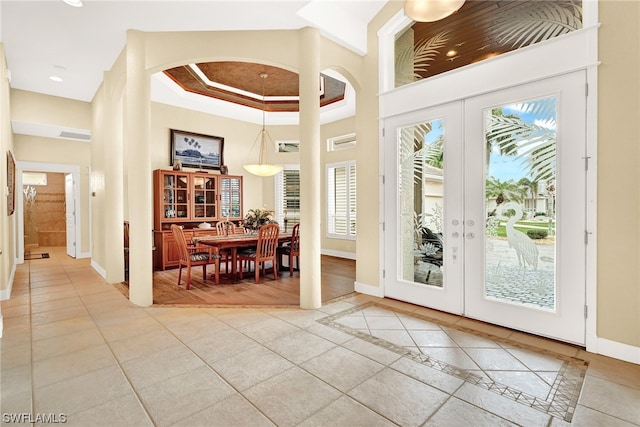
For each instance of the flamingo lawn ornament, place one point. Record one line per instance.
(526, 250)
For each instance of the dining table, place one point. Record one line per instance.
(235, 241)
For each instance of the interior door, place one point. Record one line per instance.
(485, 207)
(70, 214)
(525, 207)
(423, 208)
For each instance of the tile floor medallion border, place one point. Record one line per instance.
(565, 390)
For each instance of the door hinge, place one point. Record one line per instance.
(586, 311)
(383, 273)
(383, 225)
(383, 132)
(382, 179)
(586, 89)
(586, 237)
(586, 163)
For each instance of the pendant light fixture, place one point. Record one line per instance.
(431, 10)
(261, 168)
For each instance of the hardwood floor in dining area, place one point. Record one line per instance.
(338, 276)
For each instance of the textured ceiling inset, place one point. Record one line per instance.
(240, 83)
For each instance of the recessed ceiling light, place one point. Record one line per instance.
(56, 78)
(452, 53)
(74, 3)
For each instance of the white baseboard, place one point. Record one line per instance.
(97, 267)
(5, 294)
(338, 254)
(363, 288)
(83, 255)
(618, 350)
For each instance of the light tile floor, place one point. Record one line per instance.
(75, 349)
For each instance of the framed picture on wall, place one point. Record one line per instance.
(11, 183)
(194, 150)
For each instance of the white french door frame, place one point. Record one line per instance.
(449, 296)
(565, 321)
(572, 52)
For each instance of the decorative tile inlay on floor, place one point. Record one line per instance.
(555, 380)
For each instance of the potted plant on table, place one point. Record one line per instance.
(256, 218)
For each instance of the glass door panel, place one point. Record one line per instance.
(520, 246)
(204, 190)
(423, 194)
(525, 207)
(175, 196)
(182, 196)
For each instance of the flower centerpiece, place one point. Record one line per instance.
(256, 218)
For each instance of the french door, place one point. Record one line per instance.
(485, 207)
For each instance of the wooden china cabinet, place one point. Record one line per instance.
(189, 199)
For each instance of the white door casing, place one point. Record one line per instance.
(70, 214)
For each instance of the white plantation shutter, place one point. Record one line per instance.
(287, 189)
(341, 200)
(352, 199)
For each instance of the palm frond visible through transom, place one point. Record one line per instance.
(538, 21)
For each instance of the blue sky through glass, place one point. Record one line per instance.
(510, 167)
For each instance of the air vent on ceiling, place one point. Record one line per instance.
(74, 135)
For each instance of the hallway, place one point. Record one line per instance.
(75, 348)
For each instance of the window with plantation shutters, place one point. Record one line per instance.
(287, 190)
(341, 200)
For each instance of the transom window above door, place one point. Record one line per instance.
(479, 30)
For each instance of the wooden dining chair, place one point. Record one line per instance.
(236, 229)
(292, 249)
(266, 250)
(225, 254)
(194, 255)
(220, 227)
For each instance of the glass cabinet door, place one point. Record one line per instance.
(175, 196)
(204, 197)
(231, 197)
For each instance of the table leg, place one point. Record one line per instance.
(234, 263)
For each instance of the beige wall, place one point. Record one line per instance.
(52, 110)
(239, 138)
(619, 172)
(7, 223)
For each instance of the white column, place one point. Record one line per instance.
(114, 178)
(136, 137)
(310, 173)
